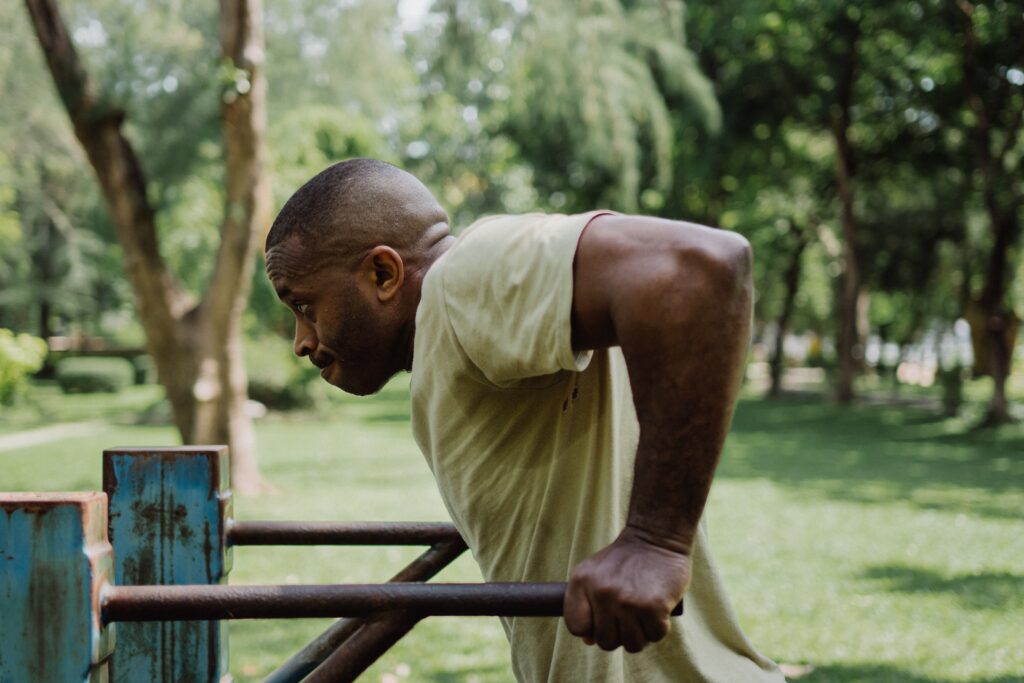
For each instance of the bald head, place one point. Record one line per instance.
(355, 205)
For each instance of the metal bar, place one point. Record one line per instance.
(364, 648)
(340, 533)
(310, 657)
(200, 602)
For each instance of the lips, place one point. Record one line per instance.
(321, 361)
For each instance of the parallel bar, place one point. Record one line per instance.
(200, 602)
(364, 648)
(340, 533)
(394, 626)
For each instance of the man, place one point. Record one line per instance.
(573, 380)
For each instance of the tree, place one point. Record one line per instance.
(569, 95)
(992, 76)
(196, 345)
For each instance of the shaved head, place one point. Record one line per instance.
(347, 209)
(347, 255)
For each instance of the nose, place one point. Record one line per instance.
(305, 339)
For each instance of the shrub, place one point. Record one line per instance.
(20, 356)
(90, 375)
(278, 379)
(144, 369)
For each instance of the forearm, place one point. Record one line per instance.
(676, 297)
(685, 374)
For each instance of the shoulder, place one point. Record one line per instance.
(508, 243)
(504, 290)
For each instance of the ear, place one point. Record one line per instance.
(384, 270)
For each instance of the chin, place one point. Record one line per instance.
(364, 386)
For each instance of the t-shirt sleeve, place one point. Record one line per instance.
(508, 289)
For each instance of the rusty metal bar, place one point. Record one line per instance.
(423, 568)
(200, 602)
(340, 533)
(362, 649)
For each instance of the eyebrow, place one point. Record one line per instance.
(283, 292)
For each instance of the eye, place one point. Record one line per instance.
(301, 307)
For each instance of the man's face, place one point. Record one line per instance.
(339, 323)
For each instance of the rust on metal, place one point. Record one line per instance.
(389, 627)
(363, 648)
(340, 533)
(203, 602)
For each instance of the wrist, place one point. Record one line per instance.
(678, 541)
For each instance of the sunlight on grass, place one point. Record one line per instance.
(877, 543)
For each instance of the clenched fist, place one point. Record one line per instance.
(624, 594)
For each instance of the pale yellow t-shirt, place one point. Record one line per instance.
(532, 446)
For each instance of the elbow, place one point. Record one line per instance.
(726, 262)
(737, 257)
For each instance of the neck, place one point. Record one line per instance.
(440, 241)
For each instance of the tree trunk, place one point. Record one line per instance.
(998, 322)
(792, 283)
(196, 347)
(848, 337)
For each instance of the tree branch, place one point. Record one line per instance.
(247, 185)
(1011, 134)
(97, 126)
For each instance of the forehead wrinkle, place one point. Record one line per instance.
(287, 261)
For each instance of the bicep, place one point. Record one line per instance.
(632, 271)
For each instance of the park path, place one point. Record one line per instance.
(40, 435)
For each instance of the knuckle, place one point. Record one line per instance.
(633, 647)
(659, 631)
(604, 592)
(575, 628)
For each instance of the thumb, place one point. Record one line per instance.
(579, 617)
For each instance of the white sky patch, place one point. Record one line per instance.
(412, 14)
(313, 47)
(91, 35)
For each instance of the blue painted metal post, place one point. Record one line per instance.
(54, 561)
(168, 513)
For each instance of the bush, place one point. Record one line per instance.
(278, 379)
(20, 356)
(90, 375)
(144, 369)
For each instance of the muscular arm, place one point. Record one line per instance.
(676, 298)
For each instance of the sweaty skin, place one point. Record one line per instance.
(676, 297)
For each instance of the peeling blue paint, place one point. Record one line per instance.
(54, 560)
(168, 510)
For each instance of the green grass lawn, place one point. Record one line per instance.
(876, 543)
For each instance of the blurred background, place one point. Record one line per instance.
(871, 152)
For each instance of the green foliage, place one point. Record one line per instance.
(277, 378)
(591, 81)
(20, 356)
(721, 114)
(88, 375)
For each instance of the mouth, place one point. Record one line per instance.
(323, 361)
